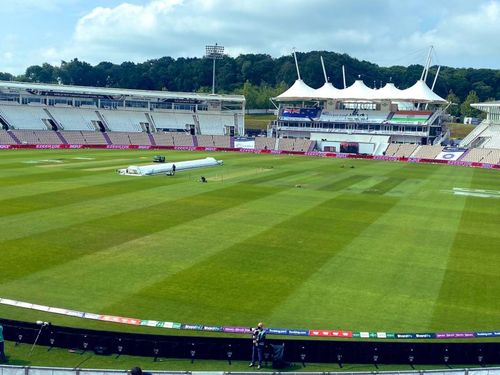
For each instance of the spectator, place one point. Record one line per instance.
(258, 342)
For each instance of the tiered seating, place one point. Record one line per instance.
(264, 143)
(205, 141)
(410, 117)
(123, 121)
(392, 149)
(400, 150)
(295, 144)
(139, 139)
(47, 137)
(6, 139)
(163, 139)
(182, 139)
(26, 136)
(123, 138)
(303, 145)
(214, 123)
(427, 152)
(222, 141)
(286, 144)
(24, 116)
(474, 134)
(93, 138)
(491, 135)
(71, 118)
(483, 155)
(74, 137)
(119, 138)
(35, 137)
(172, 120)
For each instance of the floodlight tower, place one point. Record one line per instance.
(215, 52)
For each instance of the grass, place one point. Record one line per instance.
(295, 242)
(258, 121)
(459, 131)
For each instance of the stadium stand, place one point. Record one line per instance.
(24, 116)
(123, 138)
(214, 124)
(124, 120)
(84, 137)
(36, 137)
(69, 118)
(182, 139)
(58, 107)
(286, 144)
(6, 139)
(164, 139)
(222, 141)
(205, 140)
(141, 139)
(263, 143)
(482, 155)
(400, 150)
(171, 120)
(427, 152)
(488, 138)
(303, 145)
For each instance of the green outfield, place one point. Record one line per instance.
(296, 242)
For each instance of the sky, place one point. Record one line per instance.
(464, 33)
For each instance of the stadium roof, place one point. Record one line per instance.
(146, 94)
(420, 92)
(327, 91)
(358, 91)
(298, 91)
(389, 91)
(493, 106)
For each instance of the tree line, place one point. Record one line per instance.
(261, 76)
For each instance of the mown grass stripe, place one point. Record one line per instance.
(165, 253)
(384, 186)
(268, 267)
(395, 261)
(62, 245)
(344, 183)
(471, 289)
(81, 194)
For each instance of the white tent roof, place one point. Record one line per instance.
(357, 91)
(421, 93)
(299, 90)
(327, 91)
(418, 93)
(388, 92)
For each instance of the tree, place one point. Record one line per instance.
(454, 100)
(465, 109)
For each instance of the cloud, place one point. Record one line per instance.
(465, 37)
(383, 31)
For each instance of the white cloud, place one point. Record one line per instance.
(378, 30)
(469, 38)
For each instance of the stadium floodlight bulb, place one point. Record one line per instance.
(214, 52)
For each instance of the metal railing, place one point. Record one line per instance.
(33, 370)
